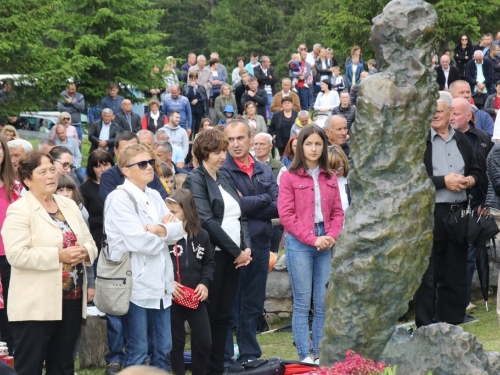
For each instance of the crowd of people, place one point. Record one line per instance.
(197, 181)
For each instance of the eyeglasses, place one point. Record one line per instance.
(303, 49)
(143, 164)
(464, 39)
(67, 118)
(66, 165)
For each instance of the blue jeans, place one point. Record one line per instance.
(309, 270)
(268, 105)
(78, 128)
(137, 322)
(304, 97)
(311, 95)
(115, 339)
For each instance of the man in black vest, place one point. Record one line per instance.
(446, 74)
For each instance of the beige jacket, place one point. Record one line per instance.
(32, 242)
(276, 103)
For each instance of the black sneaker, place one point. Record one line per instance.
(470, 319)
(112, 368)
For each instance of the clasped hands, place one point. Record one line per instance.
(324, 243)
(201, 291)
(74, 255)
(456, 182)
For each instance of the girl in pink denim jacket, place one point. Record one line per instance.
(310, 210)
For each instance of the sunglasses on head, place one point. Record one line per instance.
(143, 164)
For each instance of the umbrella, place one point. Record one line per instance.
(473, 229)
(483, 271)
(456, 225)
(489, 229)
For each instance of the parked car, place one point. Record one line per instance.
(33, 120)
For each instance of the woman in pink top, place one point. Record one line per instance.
(65, 119)
(9, 192)
(311, 212)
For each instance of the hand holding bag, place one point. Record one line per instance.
(188, 298)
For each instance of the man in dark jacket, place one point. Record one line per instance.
(256, 95)
(267, 80)
(102, 134)
(442, 295)
(461, 120)
(259, 195)
(128, 120)
(345, 109)
(446, 74)
(479, 74)
(240, 88)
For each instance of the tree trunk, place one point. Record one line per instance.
(93, 342)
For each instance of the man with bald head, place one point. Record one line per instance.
(336, 132)
(446, 74)
(176, 102)
(479, 74)
(461, 120)
(461, 89)
(204, 73)
(128, 120)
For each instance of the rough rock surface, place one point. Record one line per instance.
(441, 349)
(278, 292)
(383, 250)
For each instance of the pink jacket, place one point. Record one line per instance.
(296, 205)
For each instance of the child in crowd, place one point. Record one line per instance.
(338, 83)
(194, 267)
(179, 180)
(372, 66)
(294, 66)
(167, 177)
(228, 112)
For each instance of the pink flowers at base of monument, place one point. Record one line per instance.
(354, 364)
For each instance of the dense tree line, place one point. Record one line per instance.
(94, 42)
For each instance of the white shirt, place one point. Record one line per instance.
(104, 134)
(446, 74)
(152, 270)
(343, 192)
(285, 94)
(231, 219)
(267, 87)
(310, 59)
(480, 77)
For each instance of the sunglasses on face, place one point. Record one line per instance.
(66, 165)
(67, 118)
(143, 164)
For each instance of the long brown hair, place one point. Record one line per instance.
(299, 161)
(185, 200)
(7, 170)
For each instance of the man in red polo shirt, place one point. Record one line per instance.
(303, 75)
(258, 195)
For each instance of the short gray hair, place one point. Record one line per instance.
(267, 135)
(479, 52)
(303, 114)
(445, 96)
(201, 57)
(214, 54)
(328, 121)
(286, 79)
(160, 132)
(264, 58)
(317, 45)
(109, 111)
(18, 143)
(166, 145)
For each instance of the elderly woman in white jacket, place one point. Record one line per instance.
(146, 234)
(325, 102)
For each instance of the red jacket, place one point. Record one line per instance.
(296, 205)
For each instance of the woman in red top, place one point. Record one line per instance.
(492, 104)
(10, 191)
(310, 210)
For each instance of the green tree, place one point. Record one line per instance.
(23, 51)
(106, 41)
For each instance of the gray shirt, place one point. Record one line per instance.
(318, 214)
(446, 158)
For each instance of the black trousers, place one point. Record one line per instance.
(201, 340)
(6, 334)
(442, 295)
(196, 117)
(52, 341)
(221, 296)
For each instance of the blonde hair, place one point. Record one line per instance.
(295, 56)
(337, 157)
(10, 128)
(130, 152)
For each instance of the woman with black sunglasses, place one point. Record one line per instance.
(464, 52)
(138, 222)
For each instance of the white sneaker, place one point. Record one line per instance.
(470, 306)
(308, 359)
(316, 361)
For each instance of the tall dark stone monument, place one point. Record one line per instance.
(383, 250)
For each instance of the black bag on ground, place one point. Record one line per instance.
(271, 366)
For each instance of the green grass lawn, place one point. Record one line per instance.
(85, 148)
(275, 344)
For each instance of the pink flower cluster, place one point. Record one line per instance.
(354, 365)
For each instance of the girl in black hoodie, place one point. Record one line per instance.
(196, 266)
